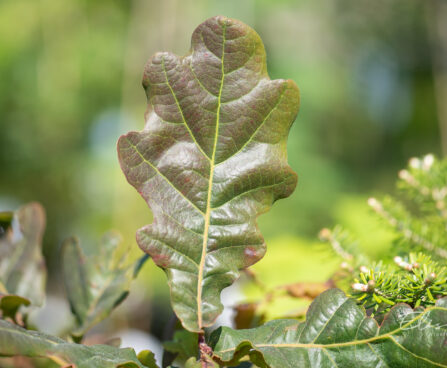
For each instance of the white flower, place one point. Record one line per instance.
(359, 287)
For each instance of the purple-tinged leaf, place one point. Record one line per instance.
(211, 158)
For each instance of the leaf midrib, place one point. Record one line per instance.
(390, 335)
(180, 109)
(206, 212)
(210, 185)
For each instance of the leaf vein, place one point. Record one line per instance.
(247, 192)
(258, 128)
(180, 109)
(163, 176)
(210, 185)
(175, 251)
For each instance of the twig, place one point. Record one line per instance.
(205, 351)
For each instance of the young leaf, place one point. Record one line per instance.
(97, 285)
(337, 333)
(147, 358)
(10, 305)
(15, 340)
(22, 266)
(211, 158)
(184, 346)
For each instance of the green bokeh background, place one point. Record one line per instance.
(70, 85)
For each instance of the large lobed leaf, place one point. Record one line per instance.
(15, 340)
(22, 266)
(98, 284)
(337, 333)
(211, 158)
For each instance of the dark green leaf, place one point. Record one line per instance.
(211, 158)
(15, 340)
(337, 333)
(184, 346)
(22, 267)
(10, 304)
(5, 222)
(95, 286)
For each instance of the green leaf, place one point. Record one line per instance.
(212, 157)
(337, 333)
(15, 340)
(147, 358)
(206, 362)
(184, 345)
(96, 285)
(22, 266)
(5, 221)
(10, 304)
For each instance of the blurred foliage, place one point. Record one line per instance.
(419, 211)
(71, 76)
(22, 267)
(394, 252)
(298, 260)
(417, 219)
(97, 284)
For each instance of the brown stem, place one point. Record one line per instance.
(205, 351)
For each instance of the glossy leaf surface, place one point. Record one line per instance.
(15, 340)
(211, 158)
(22, 266)
(337, 333)
(98, 284)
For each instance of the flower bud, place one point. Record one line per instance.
(430, 278)
(371, 286)
(324, 234)
(359, 287)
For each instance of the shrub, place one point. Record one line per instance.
(211, 158)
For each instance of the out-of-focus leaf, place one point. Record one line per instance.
(193, 363)
(245, 315)
(5, 222)
(308, 290)
(147, 358)
(15, 340)
(114, 341)
(22, 266)
(10, 304)
(337, 333)
(211, 158)
(184, 345)
(96, 285)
